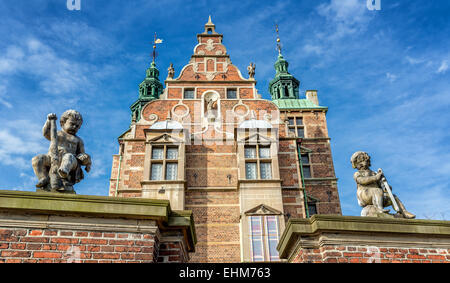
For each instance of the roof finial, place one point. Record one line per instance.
(210, 27)
(156, 41)
(278, 40)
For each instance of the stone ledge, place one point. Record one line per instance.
(365, 227)
(55, 204)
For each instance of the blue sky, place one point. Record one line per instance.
(385, 76)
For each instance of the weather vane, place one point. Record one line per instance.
(156, 41)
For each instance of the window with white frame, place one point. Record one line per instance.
(164, 163)
(264, 233)
(189, 93)
(231, 93)
(258, 162)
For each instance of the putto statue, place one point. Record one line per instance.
(373, 191)
(60, 169)
(251, 70)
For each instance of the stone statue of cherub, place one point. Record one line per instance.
(60, 168)
(373, 191)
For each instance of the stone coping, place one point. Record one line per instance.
(102, 206)
(356, 224)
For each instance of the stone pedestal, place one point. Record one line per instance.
(331, 238)
(48, 227)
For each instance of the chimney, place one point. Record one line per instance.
(311, 95)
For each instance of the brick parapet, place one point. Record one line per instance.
(344, 239)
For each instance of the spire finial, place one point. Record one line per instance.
(209, 26)
(278, 40)
(155, 41)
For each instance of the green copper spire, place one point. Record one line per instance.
(150, 89)
(284, 85)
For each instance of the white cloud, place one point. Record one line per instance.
(443, 68)
(19, 142)
(314, 49)
(348, 16)
(391, 77)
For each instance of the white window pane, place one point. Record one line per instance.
(256, 225)
(156, 171)
(172, 153)
(171, 171)
(272, 227)
(250, 170)
(157, 153)
(257, 248)
(250, 152)
(273, 253)
(264, 152)
(266, 170)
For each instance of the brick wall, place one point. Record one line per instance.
(26, 245)
(368, 254)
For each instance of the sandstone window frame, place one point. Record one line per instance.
(296, 125)
(264, 237)
(258, 161)
(164, 140)
(164, 161)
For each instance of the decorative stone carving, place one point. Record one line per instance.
(209, 45)
(211, 101)
(251, 70)
(61, 168)
(170, 71)
(373, 191)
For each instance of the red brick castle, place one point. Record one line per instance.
(207, 142)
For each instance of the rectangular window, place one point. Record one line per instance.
(156, 171)
(171, 171)
(231, 94)
(266, 170)
(296, 126)
(250, 170)
(164, 163)
(312, 208)
(264, 152)
(189, 94)
(258, 162)
(264, 238)
(250, 152)
(306, 167)
(158, 153)
(256, 230)
(172, 153)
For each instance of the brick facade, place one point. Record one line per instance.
(27, 245)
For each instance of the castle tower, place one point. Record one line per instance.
(208, 143)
